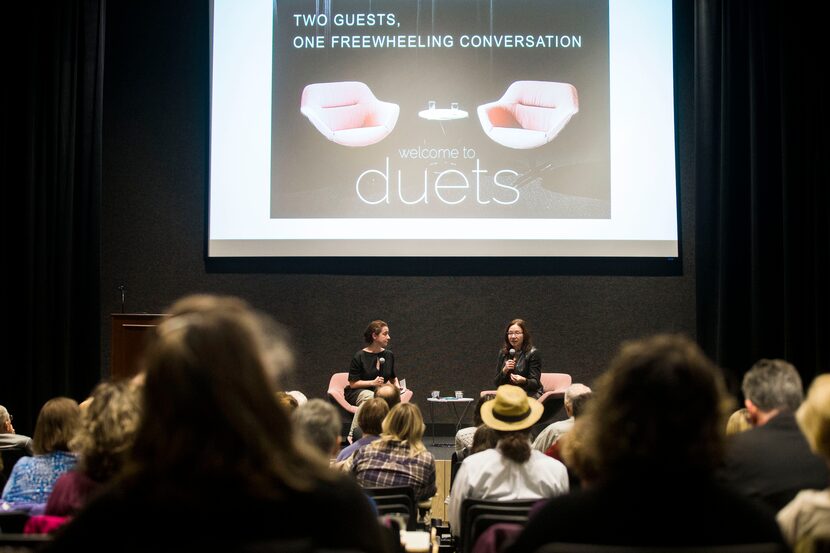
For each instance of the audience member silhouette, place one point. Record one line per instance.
(370, 422)
(387, 392)
(106, 432)
(9, 439)
(651, 438)
(399, 457)
(286, 401)
(215, 466)
(738, 422)
(13, 446)
(484, 438)
(317, 422)
(772, 462)
(511, 470)
(32, 478)
(807, 517)
(556, 430)
(464, 437)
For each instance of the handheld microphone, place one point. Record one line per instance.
(512, 353)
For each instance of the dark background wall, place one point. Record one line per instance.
(446, 330)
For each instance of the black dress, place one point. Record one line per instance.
(365, 367)
(528, 365)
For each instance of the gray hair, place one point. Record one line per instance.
(773, 384)
(317, 422)
(575, 390)
(4, 415)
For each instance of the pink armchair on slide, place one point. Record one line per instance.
(337, 387)
(530, 114)
(348, 113)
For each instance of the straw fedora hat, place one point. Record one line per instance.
(511, 409)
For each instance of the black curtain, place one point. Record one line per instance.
(51, 175)
(763, 237)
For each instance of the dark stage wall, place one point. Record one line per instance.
(446, 330)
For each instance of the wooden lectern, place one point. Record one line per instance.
(130, 332)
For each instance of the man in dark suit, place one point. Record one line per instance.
(772, 462)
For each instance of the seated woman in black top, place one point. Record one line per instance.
(371, 367)
(520, 363)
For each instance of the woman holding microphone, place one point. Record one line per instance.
(371, 367)
(520, 363)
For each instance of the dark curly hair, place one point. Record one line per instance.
(661, 407)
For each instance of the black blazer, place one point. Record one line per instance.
(528, 365)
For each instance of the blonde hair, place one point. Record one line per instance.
(738, 422)
(814, 416)
(405, 423)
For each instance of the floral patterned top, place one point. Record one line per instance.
(32, 478)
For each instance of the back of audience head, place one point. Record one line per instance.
(208, 403)
(318, 423)
(482, 399)
(107, 429)
(370, 416)
(738, 422)
(573, 391)
(511, 414)
(579, 403)
(405, 423)
(659, 409)
(6, 426)
(483, 439)
(56, 425)
(814, 416)
(389, 393)
(286, 401)
(769, 387)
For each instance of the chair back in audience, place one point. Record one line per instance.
(12, 522)
(23, 543)
(455, 464)
(594, 548)
(479, 514)
(396, 500)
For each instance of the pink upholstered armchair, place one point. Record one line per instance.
(348, 113)
(530, 114)
(554, 386)
(336, 392)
